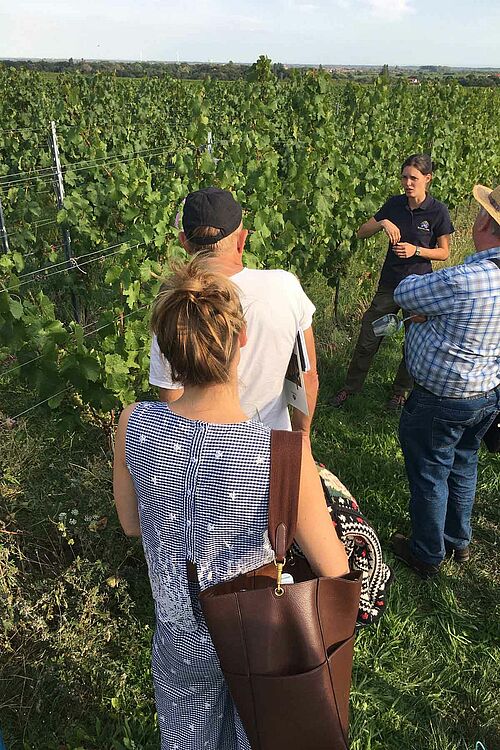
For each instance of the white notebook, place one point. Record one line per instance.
(293, 386)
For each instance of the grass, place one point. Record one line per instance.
(75, 604)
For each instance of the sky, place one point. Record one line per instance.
(350, 32)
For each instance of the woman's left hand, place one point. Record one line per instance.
(404, 250)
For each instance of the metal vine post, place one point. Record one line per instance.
(59, 187)
(3, 231)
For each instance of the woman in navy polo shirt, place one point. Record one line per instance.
(418, 228)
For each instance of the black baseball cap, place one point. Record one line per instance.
(210, 207)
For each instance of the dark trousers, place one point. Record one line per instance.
(440, 439)
(367, 346)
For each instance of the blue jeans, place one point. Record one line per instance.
(440, 439)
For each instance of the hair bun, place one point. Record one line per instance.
(196, 317)
(191, 283)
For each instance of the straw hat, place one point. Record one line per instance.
(489, 200)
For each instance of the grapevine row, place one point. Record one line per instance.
(309, 159)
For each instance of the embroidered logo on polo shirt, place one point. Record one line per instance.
(425, 226)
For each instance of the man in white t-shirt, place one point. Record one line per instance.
(275, 308)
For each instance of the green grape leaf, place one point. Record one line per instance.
(16, 308)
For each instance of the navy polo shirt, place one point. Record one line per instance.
(419, 226)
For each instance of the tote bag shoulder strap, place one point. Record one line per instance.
(496, 261)
(286, 459)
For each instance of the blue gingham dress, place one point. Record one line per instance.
(203, 493)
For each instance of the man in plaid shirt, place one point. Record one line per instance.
(454, 358)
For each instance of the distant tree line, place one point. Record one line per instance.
(225, 72)
(475, 79)
(234, 71)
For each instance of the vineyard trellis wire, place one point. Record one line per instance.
(101, 162)
(73, 265)
(119, 319)
(76, 260)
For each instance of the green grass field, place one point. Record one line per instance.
(75, 604)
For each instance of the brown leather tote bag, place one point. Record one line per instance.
(286, 649)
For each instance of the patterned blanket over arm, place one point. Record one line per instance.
(362, 546)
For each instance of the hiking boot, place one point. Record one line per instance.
(401, 548)
(460, 556)
(396, 402)
(339, 399)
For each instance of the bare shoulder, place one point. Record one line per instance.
(125, 416)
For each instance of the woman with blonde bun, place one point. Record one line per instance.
(192, 478)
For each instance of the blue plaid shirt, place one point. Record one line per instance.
(456, 353)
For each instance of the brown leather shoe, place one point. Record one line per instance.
(339, 399)
(460, 556)
(396, 402)
(401, 548)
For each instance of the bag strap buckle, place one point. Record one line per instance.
(280, 564)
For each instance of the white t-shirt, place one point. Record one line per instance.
(275, 307)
